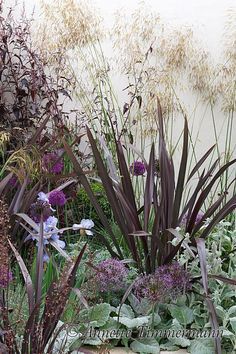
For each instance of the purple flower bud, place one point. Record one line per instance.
(137, 168)
(57, 198)
(53, 163)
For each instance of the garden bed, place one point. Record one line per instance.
(120, 350)
(100, 241)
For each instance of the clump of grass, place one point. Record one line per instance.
(73, 24)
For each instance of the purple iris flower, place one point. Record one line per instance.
(49, 227)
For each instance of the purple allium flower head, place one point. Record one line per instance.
(137, 168)
(150, 288)
(53, 163)
(111, 275)
(40, 208)
(175, 278)
(57, 197)
(168, 282)
(5, 277)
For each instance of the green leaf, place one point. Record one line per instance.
(93, 341)
(183, 314)
(176, 325)
(181, 301)
(227, 333)
(203, 346)
(220, 312)
(232, 310)
(168, 346)
(140, 307)
(110, 324)
(149, 346)
(76, 344)
(125, 311)
(156, 320)
(99, 314)
(95, 316)
(233, 323)
(181, 342)
(133, 322)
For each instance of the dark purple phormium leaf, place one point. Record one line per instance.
(223, 212)
(118, 210)
(39, 264)
(149, 188)
(199, 163)
(203, 196)
(167, 191)
(212, 312)
(208, 214)
(181, 177)
(129, 198)
(190, 205)
(4, 182)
